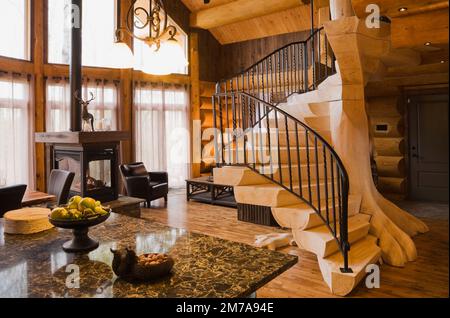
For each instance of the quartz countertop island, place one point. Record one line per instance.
(36, 266)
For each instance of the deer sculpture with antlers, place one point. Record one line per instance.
(85, 115)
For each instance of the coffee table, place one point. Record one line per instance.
(204, 190)
(205, 267)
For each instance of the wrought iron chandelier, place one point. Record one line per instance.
(154, 18)
(163, 54)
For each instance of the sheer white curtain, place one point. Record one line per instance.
(104, 107)
(161, 123)
(58, 105)
(16, 131)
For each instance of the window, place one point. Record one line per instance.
(15, 29)
(103, 107)
(16, 129)
(98, 31)
(162, 129)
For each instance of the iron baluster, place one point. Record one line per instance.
(333, 194)
(327, 209)
(308, 166)
(299, 161)
(305, 68)
(278, 147)
(269, 145)
(261, 159)
(230, 139)
(288, 146)
(316, 155)
(235, 137)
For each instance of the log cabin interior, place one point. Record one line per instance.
(228, 148)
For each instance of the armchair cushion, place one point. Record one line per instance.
(161, 177)
(137, 169)
(137, 186)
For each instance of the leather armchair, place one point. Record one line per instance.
(140, 183)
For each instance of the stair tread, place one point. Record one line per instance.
(354, 222)
(295, 185)
(311, 148)
(360, 255)
(305, 206)
(285, 165)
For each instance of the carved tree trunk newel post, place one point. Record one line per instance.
(341, 9)
(354, 45)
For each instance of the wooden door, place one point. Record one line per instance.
(428, 153)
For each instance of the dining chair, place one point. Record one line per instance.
(59, 184)
(11, 198)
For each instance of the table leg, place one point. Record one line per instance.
(188, 196)
(212, 190)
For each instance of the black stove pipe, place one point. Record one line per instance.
(75, 65)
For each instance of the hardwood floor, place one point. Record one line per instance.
(426, 277)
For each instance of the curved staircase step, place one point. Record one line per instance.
(320, 108)
(303, 217)
(318, 122)
(282, 140)
(321, 242)
(315, 122)
(286, 172)
(266, 154)
(272, 195)
(237, 176)
(361, 254)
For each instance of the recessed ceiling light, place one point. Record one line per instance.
(403, 9)
(427, 43)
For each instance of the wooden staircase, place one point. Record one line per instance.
(280, 154)
(310, 232)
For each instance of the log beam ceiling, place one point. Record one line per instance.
(238, 11)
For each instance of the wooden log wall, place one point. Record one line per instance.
(207, 90)
(235, 58)
(386, 117)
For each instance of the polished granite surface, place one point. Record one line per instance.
(36, 266)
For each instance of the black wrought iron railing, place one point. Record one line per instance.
(295, 68)
(252, 131)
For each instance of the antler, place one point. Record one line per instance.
(77, 97)
(84, 102)
(92, 98)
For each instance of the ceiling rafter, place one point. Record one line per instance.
(239, 10)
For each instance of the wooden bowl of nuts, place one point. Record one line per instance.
(145, 267)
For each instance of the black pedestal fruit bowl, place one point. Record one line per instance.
(81, 242)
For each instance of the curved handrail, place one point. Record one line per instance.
(248, 101)
(342, 170)
(248, 114)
